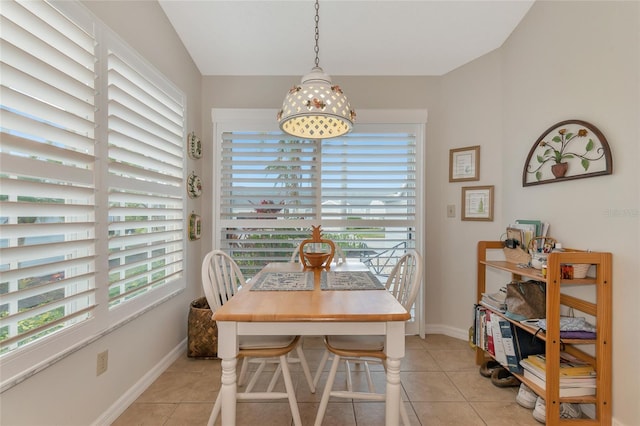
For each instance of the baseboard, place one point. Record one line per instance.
(448, 331)
(118, 407)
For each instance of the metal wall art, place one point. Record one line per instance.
(571, 149)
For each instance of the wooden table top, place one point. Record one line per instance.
(311, 305)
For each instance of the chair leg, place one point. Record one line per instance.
(256, 374)
(322, 408)
(291, 392)
(215, 412)
(305, 369)
(243, 371)
(403, 414)
(323, 361)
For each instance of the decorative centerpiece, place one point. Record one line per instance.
(317, 259)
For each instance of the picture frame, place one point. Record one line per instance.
(477, 203)
(464, 164)
(195, 227)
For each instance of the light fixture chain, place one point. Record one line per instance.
(317, 49)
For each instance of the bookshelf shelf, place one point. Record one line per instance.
(600, 310)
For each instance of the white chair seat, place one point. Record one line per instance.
(360, 343)
(262, 342)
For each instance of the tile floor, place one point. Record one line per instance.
(440, 381)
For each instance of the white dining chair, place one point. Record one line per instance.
(339, 257)
(404, 283)
(221, 279)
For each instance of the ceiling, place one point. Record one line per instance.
(357, 37)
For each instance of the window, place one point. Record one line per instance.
(91, 182)
(364, 188)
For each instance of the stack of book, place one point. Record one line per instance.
(495, 301)
(577, 377)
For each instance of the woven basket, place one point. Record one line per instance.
(516, 255)
(580, 270)
(202, 331)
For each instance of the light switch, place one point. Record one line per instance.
(451, 210)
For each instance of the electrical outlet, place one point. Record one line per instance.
(451, 210)
(102, 363)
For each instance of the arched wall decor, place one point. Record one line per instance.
(571, 149)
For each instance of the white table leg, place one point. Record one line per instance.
(394, 348)
(228, 352)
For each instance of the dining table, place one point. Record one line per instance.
(284, 298)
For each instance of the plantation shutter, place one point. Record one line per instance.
(145, 181)
(47, 189)
(268, 176)
(369, 176)
(360, 187)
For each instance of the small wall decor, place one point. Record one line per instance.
(477, 203)
(195, 146)
(464, 164)
(194, 185)
(195, 227)
(571, 149)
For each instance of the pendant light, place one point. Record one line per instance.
(316, 109)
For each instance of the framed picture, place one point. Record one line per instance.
(464, 164)
(195, 227)
(477, 203)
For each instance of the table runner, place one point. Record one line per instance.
(283, 281)
(350, 280)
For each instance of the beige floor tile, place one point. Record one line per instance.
(373, 414)
(337, 414)
(415, 342)
(264, 414)
(178, 386)
(192, 414)
(145, 414)
(430, 386)
(474, 387)
(506, 413)
(455, 360)
(419, 360)
(439, 377)
(447, 413)
(435, 342)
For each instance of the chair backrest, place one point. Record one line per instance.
(221, 278)
(405, 278)
(339, 256)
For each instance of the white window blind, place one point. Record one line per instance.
(91, 183)
(369, 176)
(145, 183)
(47, 271)
(268, 176)
(361, 187)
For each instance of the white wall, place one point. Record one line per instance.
(69, 393)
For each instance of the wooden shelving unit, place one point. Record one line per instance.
(600, 309)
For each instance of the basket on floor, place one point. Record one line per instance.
(202, 331)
